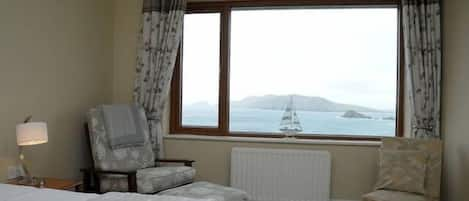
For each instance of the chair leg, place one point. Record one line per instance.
(86, 181)
(132, 182)
(97, 183)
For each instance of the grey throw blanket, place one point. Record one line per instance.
(123, 126)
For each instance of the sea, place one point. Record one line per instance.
(249, 120)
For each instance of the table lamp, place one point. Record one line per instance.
(29, 133)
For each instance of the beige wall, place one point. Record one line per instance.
(55, 63)
(126, 24)
(455, 100)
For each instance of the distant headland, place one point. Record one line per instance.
(301, 103)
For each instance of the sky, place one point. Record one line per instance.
(345, 55)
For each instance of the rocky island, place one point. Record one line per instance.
(355, 115)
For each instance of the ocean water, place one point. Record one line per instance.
(268, 121)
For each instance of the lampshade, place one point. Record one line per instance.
(31, 133)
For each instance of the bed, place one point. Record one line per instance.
(23, 193)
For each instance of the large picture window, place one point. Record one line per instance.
(276, 70)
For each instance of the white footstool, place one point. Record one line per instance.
(208, 190)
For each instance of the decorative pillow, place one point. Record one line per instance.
(432, 147)
(402, 171)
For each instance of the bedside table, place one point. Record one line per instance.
(53, 183)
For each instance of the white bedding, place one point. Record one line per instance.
(23, 193)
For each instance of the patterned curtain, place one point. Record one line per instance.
(158, 43)
(421, 20)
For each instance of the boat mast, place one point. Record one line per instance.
(291, 112)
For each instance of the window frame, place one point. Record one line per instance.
(224, 8)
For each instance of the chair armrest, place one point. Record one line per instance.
(185, 162)
(131, 176)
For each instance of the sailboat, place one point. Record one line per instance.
(290, 123)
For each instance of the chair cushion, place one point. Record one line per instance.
(206, 190)
(385, 195)
(402, 171)
(150, 180)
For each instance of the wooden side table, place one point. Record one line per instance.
(53, 183)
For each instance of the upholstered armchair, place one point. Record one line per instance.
(428, 190)
(132, 169)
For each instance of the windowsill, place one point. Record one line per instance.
(274, 140)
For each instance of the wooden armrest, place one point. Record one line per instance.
(92, 170)
(186, 162)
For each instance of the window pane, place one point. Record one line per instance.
(314, 71)
(200, 72)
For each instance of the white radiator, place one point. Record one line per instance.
(281, 174)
